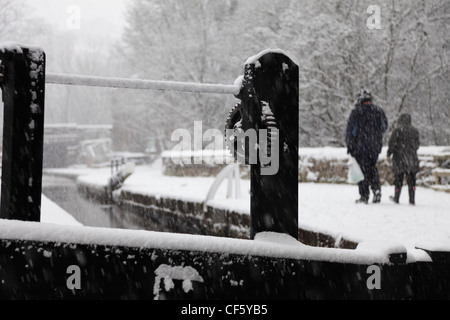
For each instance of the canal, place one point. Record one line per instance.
(63, 191)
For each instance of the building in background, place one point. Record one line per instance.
(69, 144)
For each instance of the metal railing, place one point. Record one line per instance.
(231, 173)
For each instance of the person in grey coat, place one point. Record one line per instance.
(403, 146)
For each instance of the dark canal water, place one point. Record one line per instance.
(63, 191)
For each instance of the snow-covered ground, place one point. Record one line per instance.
(330, 153)
(325, 208)
(149, 180)
(331, 209)
(52, 213)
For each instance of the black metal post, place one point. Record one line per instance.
(23, 89)
(272, 80)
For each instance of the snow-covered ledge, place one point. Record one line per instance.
(254, 59)
(265, 245)
(10, 46)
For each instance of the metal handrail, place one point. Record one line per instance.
(230, 172)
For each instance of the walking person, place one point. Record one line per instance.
(364, 138)
(403, 146)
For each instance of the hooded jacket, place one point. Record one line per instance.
(365, 128)
(403, 146)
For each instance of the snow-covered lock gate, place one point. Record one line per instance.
(54, 262)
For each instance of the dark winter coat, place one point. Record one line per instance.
(365, 128)
(403, 145)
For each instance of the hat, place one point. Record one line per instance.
(404, 120)
(364, 95)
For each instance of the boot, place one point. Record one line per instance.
(396, 197)
(362, 200)
(377, 196)
(412, 196)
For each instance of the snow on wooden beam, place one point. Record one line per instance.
(137, 84)
(274, 245)
(45, 261)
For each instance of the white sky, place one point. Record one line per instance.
(103, 17)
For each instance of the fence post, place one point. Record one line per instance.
(23, 93)
(272, 80)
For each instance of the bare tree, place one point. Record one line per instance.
(404, 63)
(338, 54)
(11, 19)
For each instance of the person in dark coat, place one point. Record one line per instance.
(364, 138)
(403, 146)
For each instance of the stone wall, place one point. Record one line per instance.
(321, 170)
(327, 167)
(181, 216)
(190, 165)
